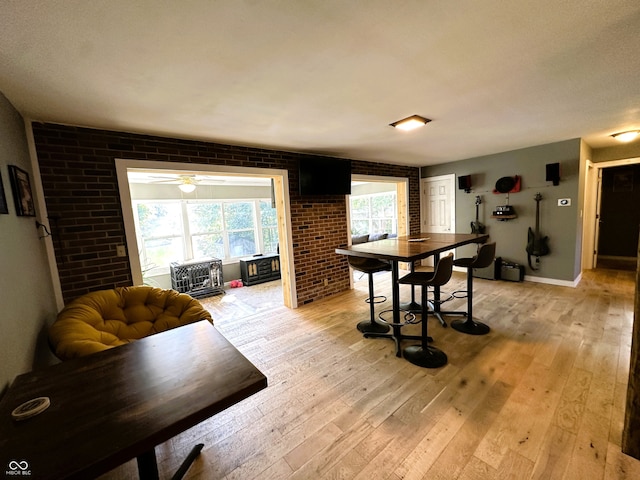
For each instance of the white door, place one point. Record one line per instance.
(438, 204)
(437, 207)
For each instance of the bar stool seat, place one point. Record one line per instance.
(486, 255)
(425, 355)
(371, 266)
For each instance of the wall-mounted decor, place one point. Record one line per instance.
(508, 185)
(4, 208)
(21, 192)
(464, 183)
(552, 171)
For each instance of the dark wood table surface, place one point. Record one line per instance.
(410, 248)
(116, 405)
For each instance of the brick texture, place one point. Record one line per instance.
(77, 167)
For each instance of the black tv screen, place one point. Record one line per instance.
(324, 176)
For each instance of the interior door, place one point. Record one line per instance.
(437, 207)
(438, 204)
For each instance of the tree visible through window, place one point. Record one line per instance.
(373, 213)
(181, 230)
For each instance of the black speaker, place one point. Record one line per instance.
(464, 183)
(553, 173)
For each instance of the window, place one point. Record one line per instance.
(374, 213)
(159, 226)
(269, 224)
(179, 230)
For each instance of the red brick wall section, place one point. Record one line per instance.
(77, 166)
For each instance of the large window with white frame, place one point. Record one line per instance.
(181, 230)
(374, 213)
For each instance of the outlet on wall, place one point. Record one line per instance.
(121, 251)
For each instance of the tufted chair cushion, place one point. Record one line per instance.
(109, 318)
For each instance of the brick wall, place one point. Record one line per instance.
(77, 166)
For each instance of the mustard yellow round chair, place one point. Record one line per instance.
(105, 319)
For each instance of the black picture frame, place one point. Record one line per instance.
(4, 208)
(22, 194)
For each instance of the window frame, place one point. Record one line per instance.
(187, 237)
(370, 218)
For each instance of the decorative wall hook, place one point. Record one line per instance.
(44, 227)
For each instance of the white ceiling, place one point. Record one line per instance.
(328, 76)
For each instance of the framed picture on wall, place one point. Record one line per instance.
(4, 208)
(21, 192)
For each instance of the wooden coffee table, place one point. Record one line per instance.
(115, 405)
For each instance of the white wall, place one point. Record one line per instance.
(26, 291)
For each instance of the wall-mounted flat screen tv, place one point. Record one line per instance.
(324, 176)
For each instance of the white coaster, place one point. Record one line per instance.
(31, 408)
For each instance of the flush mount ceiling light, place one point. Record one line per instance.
(626, 136)
(188, 184)
(410, 123)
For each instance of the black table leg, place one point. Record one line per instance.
(195, 451)
(148, 466)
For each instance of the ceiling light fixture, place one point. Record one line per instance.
(626, 137)
(187, 185)
(410, 123)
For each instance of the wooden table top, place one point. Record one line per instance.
(412, 247)
(115, 405)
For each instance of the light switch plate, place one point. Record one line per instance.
(564, 202)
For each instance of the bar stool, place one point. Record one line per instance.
(371, 266)
(425, 355)
(486, 255)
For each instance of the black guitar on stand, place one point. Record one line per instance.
(477, 227)
(536, 243)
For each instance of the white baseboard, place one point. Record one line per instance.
(531, 278)
(554, 281)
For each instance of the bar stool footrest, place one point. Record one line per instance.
(409, 318)
(376, 299)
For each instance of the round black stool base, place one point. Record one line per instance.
(431, 357)
(413, 307)
(470, 327)
(367, 326)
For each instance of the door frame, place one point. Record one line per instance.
(592, 198)
(283, 209)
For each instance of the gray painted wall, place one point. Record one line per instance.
(26, 290)
(560, 224)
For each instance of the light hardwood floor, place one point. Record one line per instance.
(542, 396)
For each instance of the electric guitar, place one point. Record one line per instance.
(536, 243)
(477, 227)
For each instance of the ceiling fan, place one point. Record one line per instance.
(186, 183)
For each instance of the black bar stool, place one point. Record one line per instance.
(371, 266)
(425, 355)
(486, 255)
